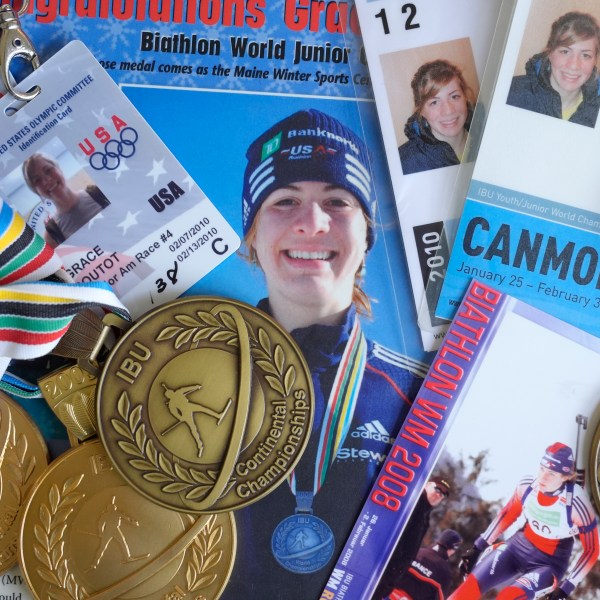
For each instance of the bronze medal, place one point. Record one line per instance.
(86, 533)
(594, 468)
(24, 457)
(205, 404)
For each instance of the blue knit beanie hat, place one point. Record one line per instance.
(307, 146)
(559, 458)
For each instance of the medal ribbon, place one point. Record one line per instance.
(24, 256)
(34, 314)
(340, 406)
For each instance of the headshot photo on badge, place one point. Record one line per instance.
(561, 80)
(308, 225)
(432, 91)
(443, 109)
(72, 207)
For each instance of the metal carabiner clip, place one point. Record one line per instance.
(14, 43)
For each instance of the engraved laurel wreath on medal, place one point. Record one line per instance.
(205, 404)
(88, 534)
(23, 458)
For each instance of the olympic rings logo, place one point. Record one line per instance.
(114, 150)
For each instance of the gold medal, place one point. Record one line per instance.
(24, 457)
(205, 404)
(86, 533)
(594, 468)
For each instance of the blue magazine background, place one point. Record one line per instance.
(240, 119)
(208, 121)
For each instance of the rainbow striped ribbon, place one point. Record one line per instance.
(340, 406)
(24, 255)
(35, 314)
(342, 402)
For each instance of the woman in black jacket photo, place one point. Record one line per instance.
(562, 81)
(437, 129)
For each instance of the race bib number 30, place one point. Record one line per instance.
(90, 175)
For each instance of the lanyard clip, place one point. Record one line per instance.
(14, 43)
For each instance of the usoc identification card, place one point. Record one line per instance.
(90, 175)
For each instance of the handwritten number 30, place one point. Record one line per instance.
(409, 8)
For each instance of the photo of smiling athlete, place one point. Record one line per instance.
(73, 208)
(443, 108)
(309, 224)
(562, 80)
(534, 562)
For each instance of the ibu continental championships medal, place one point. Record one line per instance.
(304, 543)
(87, 533)
(23, 458)
(205, 404)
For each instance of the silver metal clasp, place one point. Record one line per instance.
(14, 43)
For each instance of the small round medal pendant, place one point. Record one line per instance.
(205, 405)
(87, 533)
(302, 543)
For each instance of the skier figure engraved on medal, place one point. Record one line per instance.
(109, 529)
(299, 540)
(184, 410)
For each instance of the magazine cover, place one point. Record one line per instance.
(491, 463)
(209, 81)
(260, 107)
(426, 64)
(530, 222)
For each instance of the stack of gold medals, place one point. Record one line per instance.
(188, 419)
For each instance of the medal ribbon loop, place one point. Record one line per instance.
(24, 256)
(34, 314)
(340, 406)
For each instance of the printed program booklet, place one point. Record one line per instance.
(530, 224)
(423, 56)
(508, 381)
(210, 78)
